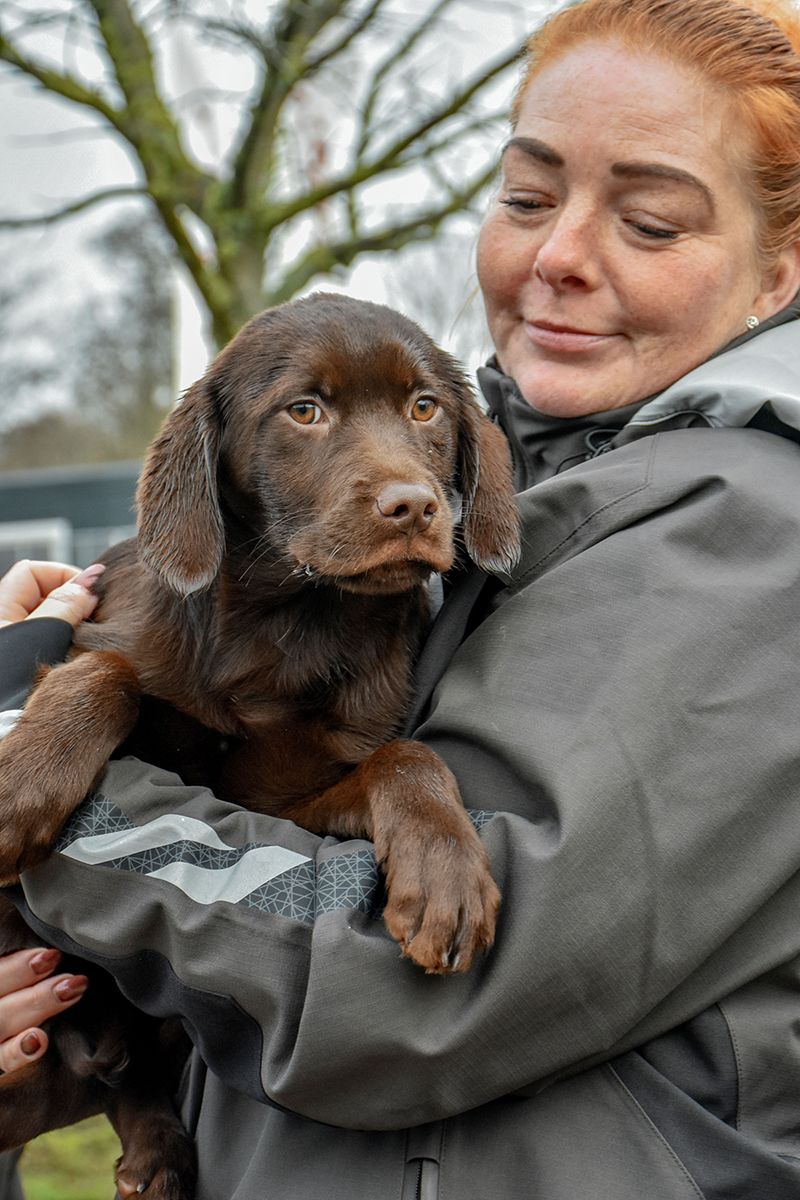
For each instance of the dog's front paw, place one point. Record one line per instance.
(442, 900)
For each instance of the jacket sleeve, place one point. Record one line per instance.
(25, 646)
(630, 707)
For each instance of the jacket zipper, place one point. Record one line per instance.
(427, 1179)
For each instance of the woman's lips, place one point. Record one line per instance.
(565, 339)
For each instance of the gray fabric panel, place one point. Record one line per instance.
(725, 1164)
(10, 1185)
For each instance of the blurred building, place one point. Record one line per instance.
(70, 514)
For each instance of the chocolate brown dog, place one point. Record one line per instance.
(290, 513)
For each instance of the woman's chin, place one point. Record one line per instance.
(553, 394)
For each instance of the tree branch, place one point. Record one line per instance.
(292, 31)
(71, 210)
(430, 149)
(58, 83)
(323, 258)
(349, 36)
(215, 290)
(146, 121)
(373, 91)
(453, 105)
(237, 32)
(392, 158)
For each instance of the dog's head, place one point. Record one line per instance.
(334, 438)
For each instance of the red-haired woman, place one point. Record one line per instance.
(623, 711)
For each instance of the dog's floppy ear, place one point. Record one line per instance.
(490, 517)
(181, 535)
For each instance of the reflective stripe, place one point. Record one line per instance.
(255, 868)
(187, 853)
(8, 720)
(164, 831)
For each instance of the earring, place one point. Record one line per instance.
(752, 322)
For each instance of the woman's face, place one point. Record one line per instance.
(621, 249)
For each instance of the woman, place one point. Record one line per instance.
(627, 703)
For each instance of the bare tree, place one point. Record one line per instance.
(436, 284)
(338, 97)
(109, 360)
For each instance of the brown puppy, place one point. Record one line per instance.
(290, 514)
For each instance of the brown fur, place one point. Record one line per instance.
(276, 596)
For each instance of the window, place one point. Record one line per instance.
(50, 539)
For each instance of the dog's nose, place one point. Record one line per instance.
(409, 506)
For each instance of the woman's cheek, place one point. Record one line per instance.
(501, 260)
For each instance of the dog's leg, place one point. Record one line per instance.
(74, 720)
(41, 1096)
(158, 1159)
(158, 1155)
(442, 901)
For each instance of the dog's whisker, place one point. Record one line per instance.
(266, 541)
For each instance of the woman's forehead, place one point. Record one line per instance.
(603, 99)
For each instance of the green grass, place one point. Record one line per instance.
(72, 1164)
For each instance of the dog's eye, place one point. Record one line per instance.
(305, 412)
(424, 408)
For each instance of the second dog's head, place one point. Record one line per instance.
(334, 438)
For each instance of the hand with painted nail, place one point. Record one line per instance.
(47, 589)
(29, 994)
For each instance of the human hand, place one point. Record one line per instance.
(29, 992)
(47, 589)
(28, 996)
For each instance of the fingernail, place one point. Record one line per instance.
(44, 961)
(70, 989)
(31, 1044)
(88, 577)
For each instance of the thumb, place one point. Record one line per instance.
(25, 1048)
(73, 601)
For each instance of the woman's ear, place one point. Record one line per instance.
(781, 284)
(181, 536)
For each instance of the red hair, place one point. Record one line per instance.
(749, 49)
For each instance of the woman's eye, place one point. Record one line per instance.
(423, 409)
(522, 205)
(654, 231)
(305, 412)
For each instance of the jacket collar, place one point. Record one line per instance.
(753, 380)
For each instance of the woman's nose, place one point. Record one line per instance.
(567, 258)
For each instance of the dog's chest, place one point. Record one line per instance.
(363, 686)
(310, 717)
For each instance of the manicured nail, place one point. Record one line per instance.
(44, 961)
(31, 1044)
(88, 577)
(71, 989)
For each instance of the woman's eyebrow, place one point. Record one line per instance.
(535, 149)
(632, 170)
(626, 170)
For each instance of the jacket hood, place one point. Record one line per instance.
(754, 381)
